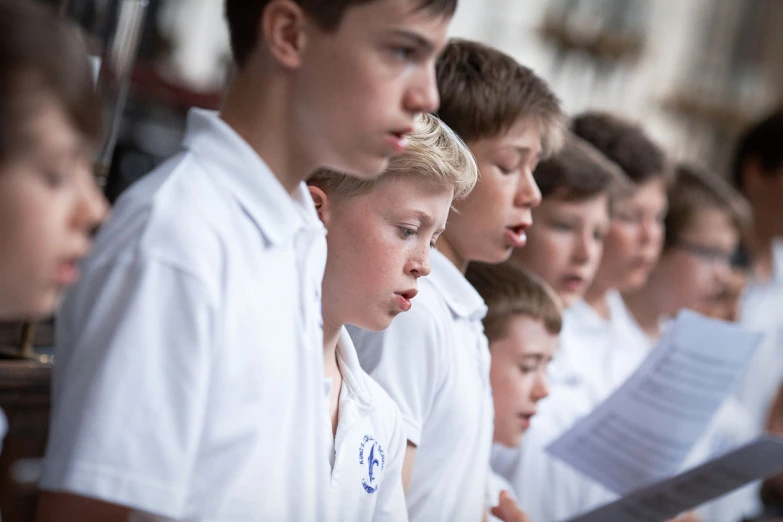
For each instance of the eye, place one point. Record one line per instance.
(560, 225)
(406, 232)
(52, 178)
(527, 368)
(404, 54)
(505, 170)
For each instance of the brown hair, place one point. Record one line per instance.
(244, 18)
(484, 92)
(509, 290)
(434, 152)
(40, 54)
(623, 142)
(761, 143)
(579, 172)
(692, 191)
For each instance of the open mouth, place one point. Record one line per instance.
(404, 299)
(516, 235)
(399, 139)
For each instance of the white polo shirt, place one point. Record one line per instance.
(434, 362)
(762, 310)
(730, 428)
(369, 447)
(190, 355)
(595, 357)
(496, 484)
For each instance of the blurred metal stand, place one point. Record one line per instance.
(116, 68)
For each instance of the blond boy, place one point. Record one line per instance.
(434, 361)
(381, 233)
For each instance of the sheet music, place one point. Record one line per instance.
(644, 431)
(759, 459)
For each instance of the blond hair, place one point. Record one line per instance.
(434, 151)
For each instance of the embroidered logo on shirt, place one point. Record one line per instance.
(372, 458)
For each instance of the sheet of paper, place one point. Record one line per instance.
(643, 431)
(759, 459)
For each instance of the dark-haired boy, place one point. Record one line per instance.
(190, 366)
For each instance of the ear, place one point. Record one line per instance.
(283, 28)
(322, 203)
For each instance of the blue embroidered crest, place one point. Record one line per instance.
(375, 459)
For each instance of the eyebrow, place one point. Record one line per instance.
(416, 39)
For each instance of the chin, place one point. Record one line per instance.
(510, 440)
(494, 256)
(367, 167)
(569, 299)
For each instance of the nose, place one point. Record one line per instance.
(541, 386)
(419, 264)
(582, 248)
(91, 206)
(528, 194)
(422, 94)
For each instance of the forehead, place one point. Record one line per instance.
(47, 129)
(529, 336)
(712, 222)
(596, 206)
(404, 15)
(403, 192)
(650, 194)
(525, 134)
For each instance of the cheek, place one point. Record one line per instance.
(506, 387)
(620, 243)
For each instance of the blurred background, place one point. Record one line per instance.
(693, 73)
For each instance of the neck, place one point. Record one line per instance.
(331, 337)
(761, 248)
(260, 112)
(641, 304)
(445, 248)
(596, 298)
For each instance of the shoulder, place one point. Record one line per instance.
(178, 215)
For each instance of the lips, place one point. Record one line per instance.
(524, 419)
(404, 299)
(573, 283)
(68, 272)
(398, 139)
(516, 235)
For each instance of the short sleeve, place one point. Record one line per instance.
(406, 359)
(390, 506)
(130, 386)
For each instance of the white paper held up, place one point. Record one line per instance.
(645, 429)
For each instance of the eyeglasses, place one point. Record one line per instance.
(705, 253)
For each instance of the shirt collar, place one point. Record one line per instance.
(777, 260)
(278, 215)
(460, 296)
(353, 375)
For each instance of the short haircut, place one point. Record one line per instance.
(484, 92)
(41, 54)
(579, 172)
(623, 142)
(762, 143)
(694, 190)
(244, 18)
(509, 291)
(434, 151)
